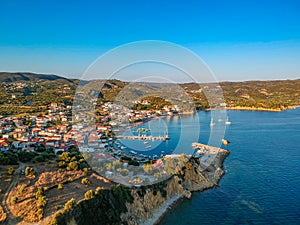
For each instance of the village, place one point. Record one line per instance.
(54, 129)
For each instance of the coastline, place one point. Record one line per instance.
(159, 213)
(259, 109)
(247, 108)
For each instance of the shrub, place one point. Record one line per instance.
(21, 188)
(14, 200)
(98, 190)
(60, 186)
(89, 195)
(10, 171)
(39, 158)
(42, 201)
(72, 166)
(29, 171)
(70, 204)
(40, 212)
(133, 163)
(39, 193)
(86, 181)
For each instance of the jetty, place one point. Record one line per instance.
(145, 137)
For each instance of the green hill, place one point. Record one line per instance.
(13, 77)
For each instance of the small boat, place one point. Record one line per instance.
(212, 122)
(149, 146)
(123, 147)
(167, 135)
(133, 152)
(227, 121)
(145, 142)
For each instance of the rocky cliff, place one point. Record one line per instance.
(144, 205)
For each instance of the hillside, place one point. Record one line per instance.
(12, 77)
(28, 92)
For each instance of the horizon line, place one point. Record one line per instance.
(73, 78)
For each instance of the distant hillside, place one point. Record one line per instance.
(12, 77)
(274, 95)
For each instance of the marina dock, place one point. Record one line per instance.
(144, 137)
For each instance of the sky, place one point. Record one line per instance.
(238, 40)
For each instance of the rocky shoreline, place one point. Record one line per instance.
(195, 179)
(147, 205)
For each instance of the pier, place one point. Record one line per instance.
(145, 137)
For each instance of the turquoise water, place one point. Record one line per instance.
(263, 179)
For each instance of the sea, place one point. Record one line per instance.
(262, 182)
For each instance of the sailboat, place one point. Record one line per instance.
(212, 122)
(227, 121)
(167, 135)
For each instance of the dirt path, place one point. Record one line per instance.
(12, 220)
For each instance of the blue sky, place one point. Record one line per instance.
(239, 40)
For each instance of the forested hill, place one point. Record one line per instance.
(27, 92)
(277, 94)
(12, 77)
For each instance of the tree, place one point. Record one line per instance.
(39, 193)
(98, 190)
(72, 166)
(29, 171)
(86, 181)
(42, 201)
(89, 195)
(60, 186)
(10, 171)
(70, 204)
(14, 200)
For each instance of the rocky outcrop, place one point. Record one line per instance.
(146, 204)
(194, 178)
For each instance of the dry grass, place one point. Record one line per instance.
(48, 176)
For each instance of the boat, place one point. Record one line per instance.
(145, 142)
(212, 122)
(133, 152)
(149, 146)
(167, 136)
(123, 147)
(227, 121)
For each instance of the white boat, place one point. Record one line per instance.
(227, 121)
(145, 142)
(149, 146)
(133, 152)
(212, 122)
(123, 147)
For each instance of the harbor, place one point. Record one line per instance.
(145, 137)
